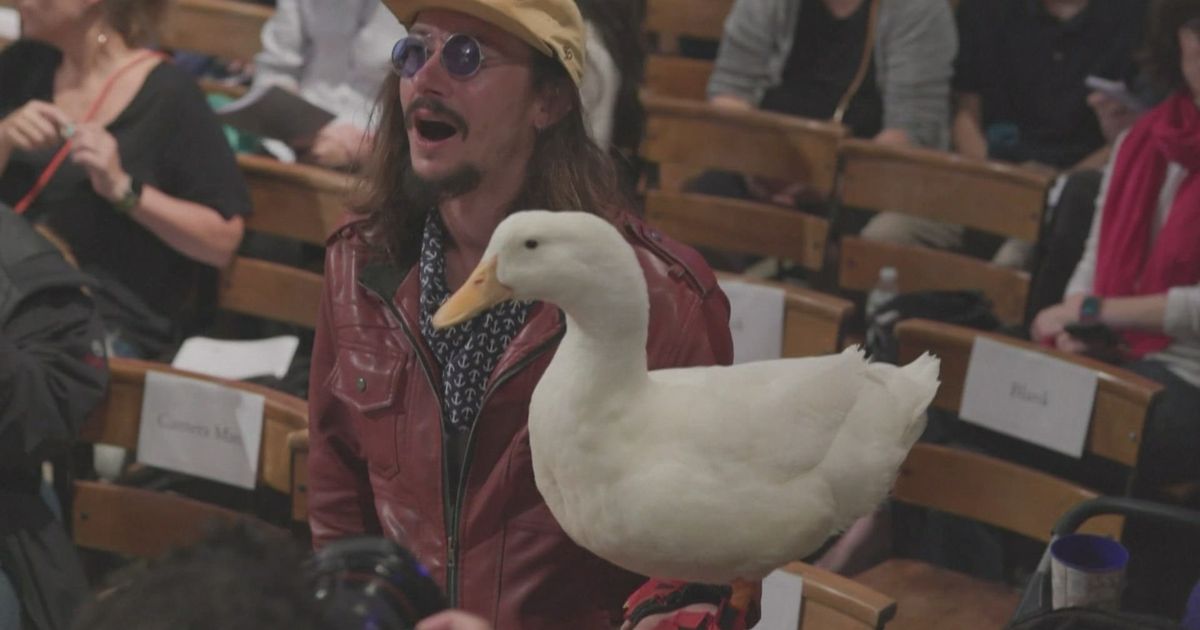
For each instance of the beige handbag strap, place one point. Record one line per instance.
(863, 64)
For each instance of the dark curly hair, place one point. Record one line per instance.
(237, 578)
(1161, 54)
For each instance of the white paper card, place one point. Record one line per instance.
(200, 428)
(10, 24)
(755, 320)
(1029, 396)
(237, 360)
(781, 596)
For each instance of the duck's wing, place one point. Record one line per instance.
(777, 418)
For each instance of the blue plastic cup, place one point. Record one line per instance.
(1087, 571)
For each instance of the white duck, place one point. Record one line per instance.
(704, 474)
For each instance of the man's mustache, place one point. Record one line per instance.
(437, 108)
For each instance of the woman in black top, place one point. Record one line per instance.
(149, 196)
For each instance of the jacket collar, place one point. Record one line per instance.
(402, 284)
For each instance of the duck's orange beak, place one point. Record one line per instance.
(480, 292)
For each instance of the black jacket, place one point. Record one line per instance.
(52, 373)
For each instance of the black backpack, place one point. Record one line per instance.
(964, 308)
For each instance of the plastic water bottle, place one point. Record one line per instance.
(885, 289)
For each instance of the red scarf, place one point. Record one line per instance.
(1131, 260)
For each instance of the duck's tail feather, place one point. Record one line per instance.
(922, 385)
(885, 421)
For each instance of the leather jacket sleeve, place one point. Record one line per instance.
(341, 503)
(704, 337)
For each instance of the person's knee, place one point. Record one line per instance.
(899, 229)
(1014, 254)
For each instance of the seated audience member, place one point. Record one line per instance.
(1140, 277)
(1140, 272)
(803, 58)
(1019, 77)
(1020, 93)
(334, 54)
(118, 153)
(51, 375)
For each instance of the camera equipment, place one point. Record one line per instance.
(373, 584)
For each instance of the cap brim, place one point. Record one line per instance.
(406, 12)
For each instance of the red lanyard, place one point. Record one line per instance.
(56, 161)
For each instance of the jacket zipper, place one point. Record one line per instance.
(452, 512)
(452, 533)
(427, 371)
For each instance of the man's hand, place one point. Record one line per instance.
(35, 125)
(894, 137)
(453, 620)
(730, 102)
(93, 148)
(780, 193)
(338, 145)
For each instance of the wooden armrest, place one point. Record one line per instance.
(844, 595)
(298, 441)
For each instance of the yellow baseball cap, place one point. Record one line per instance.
(553, 27)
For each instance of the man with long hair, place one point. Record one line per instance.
(420, 434)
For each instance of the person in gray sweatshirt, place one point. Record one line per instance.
(801, 57)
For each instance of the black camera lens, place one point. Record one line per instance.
(372, 584)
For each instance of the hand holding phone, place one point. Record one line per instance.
(1093, 333)
(1117, 91)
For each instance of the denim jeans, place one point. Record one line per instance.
(10, 605)
(10, 602)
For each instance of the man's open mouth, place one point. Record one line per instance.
(435, 130)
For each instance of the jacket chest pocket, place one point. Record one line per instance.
(372, 386)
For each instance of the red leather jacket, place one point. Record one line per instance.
(377, 460)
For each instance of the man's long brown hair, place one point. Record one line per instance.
(567, 170)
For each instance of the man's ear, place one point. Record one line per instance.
(553, 103)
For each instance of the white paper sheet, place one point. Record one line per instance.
(200, 428)
(237, 360)
(755, 320)
(10, 24)
(781, 601)
(1029, 396)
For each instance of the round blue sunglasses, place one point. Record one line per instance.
(461, 55)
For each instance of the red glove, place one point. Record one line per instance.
(656, 597)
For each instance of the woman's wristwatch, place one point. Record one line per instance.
(131, 198)
(1089, 309)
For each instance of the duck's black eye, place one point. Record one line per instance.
(531, 244)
